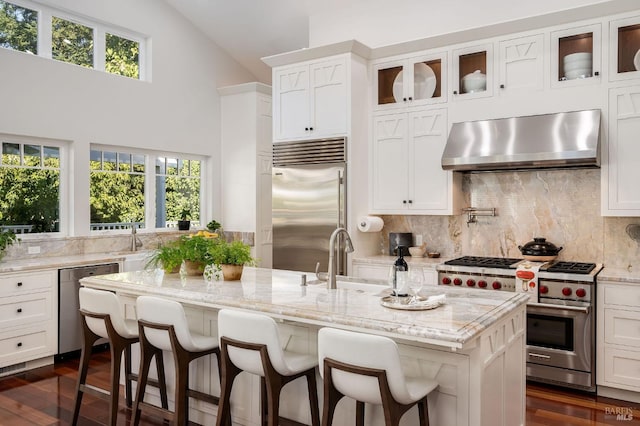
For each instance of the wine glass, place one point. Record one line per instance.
(416, 281)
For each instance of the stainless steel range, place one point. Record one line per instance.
(560, 312)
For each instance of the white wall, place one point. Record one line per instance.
(178, 110)
(381, 22)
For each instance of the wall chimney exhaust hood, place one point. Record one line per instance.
(565, 139)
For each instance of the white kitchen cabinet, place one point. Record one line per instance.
(406, 176)
(585, 39)
(618, 339)
(310, 100)
(469, 60)
(246, 113)
(621, 155)
(415, 81)
(28, 318)
(624, 36)
(521, 64)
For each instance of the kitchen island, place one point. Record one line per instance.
(473, 345)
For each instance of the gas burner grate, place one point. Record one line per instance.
(571, 267)
(487, 262)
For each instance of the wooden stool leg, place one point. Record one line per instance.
(116, 360)
(87, 346)
(331, 398)
(162, 382)
(264, 403)
(146, 354)
(359, 413)
(229, 374)
(127, 377)
(312, 387)
(423, 412)
(274, 387)
(181, 362)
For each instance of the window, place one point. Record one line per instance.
(30, 187)
(177, 191)
(117, 189)
(18, 28)
(122, 181)
(72, 39)
(71, 42)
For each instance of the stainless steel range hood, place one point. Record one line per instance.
(565, 139)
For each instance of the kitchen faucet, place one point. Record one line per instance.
(135, 241)
(331, 275)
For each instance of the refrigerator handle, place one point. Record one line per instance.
(339, 246)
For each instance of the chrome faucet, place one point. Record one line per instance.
(135, 241)
(331, 274)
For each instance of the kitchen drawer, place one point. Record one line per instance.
(622, 327)
(621, 295)
(26, 344)
(622, 368)
(25, 310)
(11, 284)
(372, 272)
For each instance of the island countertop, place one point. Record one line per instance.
(464, 316)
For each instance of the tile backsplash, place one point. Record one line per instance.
(560, 205)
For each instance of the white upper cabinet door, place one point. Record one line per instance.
(389, 174)
(291, 102)
(576, 56)
(621, 166)
(328, 100)
(624, 36)
(429, 185)
(472, 69)
(521, 64)
(310, 100)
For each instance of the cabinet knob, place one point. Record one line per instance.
(455, 92)
(311, 128)
(502, 86)
(19, 344)
(410, 98)
(404, 99)
(404, 201)
(20, 284)
(19, 310)
(410, 201)
(306, 129)
(597, 73)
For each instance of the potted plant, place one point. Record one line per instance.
(214, 226)
(195, 250)
(167, 257)
(7, 238)
(185, 222)
(231, 258)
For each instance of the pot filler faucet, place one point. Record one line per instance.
(331, 274)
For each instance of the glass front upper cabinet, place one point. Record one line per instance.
(625, 49)
(410, 82)
(576, 56)
(472, 72)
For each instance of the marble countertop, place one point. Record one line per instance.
(56, 262)
(623, 275)
(464, 316)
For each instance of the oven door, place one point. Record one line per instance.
(560, 336)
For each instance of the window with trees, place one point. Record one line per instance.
(30, 187)
(177, 191)
(71, 39)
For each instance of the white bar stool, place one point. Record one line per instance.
(163, 326)
(367, 368)
(101, 317)
(251, 342)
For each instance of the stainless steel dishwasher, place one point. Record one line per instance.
(69, 326)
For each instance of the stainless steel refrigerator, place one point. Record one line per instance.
(308, 190)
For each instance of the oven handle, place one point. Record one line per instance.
(583, 310)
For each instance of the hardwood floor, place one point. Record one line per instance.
(45, 396)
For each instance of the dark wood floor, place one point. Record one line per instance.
(44, 396)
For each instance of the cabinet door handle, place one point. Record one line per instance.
(19, 310)
(20, 284)
(410, 98)
(404, 201)
(311, 128)
(502, 86)
(455, 92)
(306, 129)
(404, 99)
(597, 73)
(19, 344)
(410, 201)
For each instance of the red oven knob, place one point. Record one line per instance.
(544, 289)
(482, 284)
(471, 282)
(581, 292)
(566, 291)
(446, 280)
(525, 275)
(496, 285)
(457, 281)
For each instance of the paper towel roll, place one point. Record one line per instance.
(370, 224)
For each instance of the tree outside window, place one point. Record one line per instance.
(18, 28)
(71, 42)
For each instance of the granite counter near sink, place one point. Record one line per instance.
(58, 262)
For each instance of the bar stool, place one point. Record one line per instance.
(101, 317)
(163, 326)
(367, 368)
(250, 342)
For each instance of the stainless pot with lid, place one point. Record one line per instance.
(539, 250)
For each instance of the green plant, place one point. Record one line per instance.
(196, 248)
(7, 238)
(168, 257)
(234, 253)
(213, 225)
(185, 214)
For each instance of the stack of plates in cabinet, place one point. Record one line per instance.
(577, 65)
